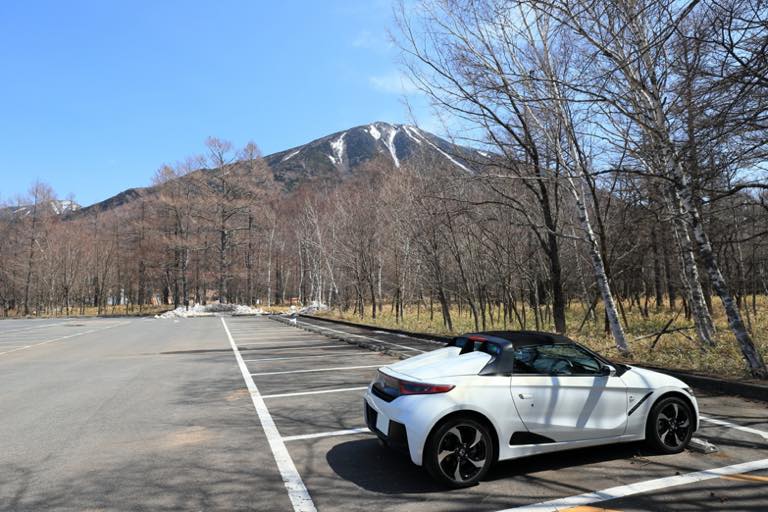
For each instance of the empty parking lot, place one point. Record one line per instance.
(247, 413)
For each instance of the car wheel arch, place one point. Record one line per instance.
(474, 415)
(676, 394)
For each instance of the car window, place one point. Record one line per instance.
(556, 359)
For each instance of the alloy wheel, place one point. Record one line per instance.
(673, 424)
(462, 453)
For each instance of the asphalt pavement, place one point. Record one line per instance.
(245, 413)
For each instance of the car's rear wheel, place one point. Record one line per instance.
(670, 425)
(459, 453)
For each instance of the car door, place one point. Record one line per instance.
(561, 393)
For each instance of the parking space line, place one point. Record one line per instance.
(297, 491)
(303, 347)
(734, 426)
(61, 338)
(317, 370)
(302, 393)
(347, 432)
(335, 354)
(623, 491)
(32, 328)
(365, 337)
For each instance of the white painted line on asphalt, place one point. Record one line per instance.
(318, 370)
(623, 491)
(34, 327)
(348, 432)
(302, 393)
(364, 337)
(303, 347)
(297, 491)
(283, 342)
(335, 354)
(734, 426)
(61, 338)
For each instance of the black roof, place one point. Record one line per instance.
(521, 338)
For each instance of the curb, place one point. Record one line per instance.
(706, 383)
(352, 339)
(721, 386)
(424, 336)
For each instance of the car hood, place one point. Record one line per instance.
(644, 378)
(444, 362)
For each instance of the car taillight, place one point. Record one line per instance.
(394, 387)
(419, 388)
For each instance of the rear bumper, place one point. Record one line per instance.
(396, 436)
(401, 424)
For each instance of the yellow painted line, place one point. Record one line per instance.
(590, 509)
(748, 478)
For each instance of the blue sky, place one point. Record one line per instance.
(96, 95)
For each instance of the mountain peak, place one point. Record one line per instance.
(338, 154)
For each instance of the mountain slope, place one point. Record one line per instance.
(339, 156)
(341, 153)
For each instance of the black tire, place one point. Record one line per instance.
(670, 425)
(459, 452)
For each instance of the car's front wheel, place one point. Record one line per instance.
(459, 453)
(670, 425)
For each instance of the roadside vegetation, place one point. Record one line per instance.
(621, 167)
(661, 338)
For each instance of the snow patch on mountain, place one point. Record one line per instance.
(290, 155)
(338, 149)
(408, 132)
(446, 155)
(375, 133)
(390, 142)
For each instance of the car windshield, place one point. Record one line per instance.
(555, 359)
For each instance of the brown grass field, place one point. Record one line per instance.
(679, 349)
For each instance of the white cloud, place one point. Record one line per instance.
(393, 82)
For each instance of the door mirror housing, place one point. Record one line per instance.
(608, 370)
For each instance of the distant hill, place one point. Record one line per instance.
(332, 158)
(55, 207)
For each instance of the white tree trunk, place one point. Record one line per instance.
(705, 328)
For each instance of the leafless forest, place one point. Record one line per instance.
(626, 169)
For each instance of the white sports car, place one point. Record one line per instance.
(502, 395)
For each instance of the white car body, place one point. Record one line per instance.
(530, 414)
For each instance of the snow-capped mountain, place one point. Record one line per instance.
(55, 207)
(340, 154)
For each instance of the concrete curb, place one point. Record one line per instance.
(751, 391)
(424, 336)
(352, 339)
(722, 386)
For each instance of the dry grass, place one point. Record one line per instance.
(678, 350)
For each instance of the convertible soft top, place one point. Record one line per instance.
(517, 338)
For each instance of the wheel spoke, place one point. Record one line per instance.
(678, 441)
(477, 463)
(457, 473)
(676, 408)
(663, 416)
(442, 455)
(663, 435)
(456, 432)
(478, 438)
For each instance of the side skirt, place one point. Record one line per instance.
(524, 450)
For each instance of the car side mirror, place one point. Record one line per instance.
(608, 370)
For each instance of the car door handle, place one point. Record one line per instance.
(525, 396)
